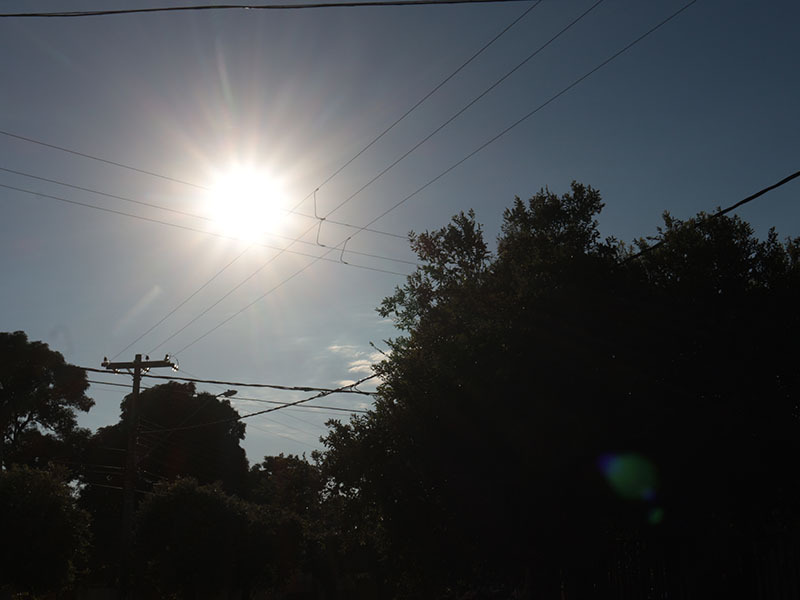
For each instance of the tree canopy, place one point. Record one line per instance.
(39, 396)
(45, 536)
(548, 400)
(169, 446)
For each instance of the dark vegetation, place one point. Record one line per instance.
(567, 417)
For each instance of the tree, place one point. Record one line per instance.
(169, 446)
(45, 535)
(549, 401)
(288, 483)
(39, 394)
(198, 541)
(180, 433)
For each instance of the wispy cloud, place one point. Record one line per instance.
(343, 349)
(362, 365)
(359, 360)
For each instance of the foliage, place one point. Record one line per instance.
(167, 448)
(39, 394)
(169, 444)
(198, 541)
(286, 483)
(524, 379)
(45, 535)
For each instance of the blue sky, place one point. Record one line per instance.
(698, 115)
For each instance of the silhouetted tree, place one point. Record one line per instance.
(547, 403)
(288, 483)
(44, 534)
(39, 395)
(198, 541)
(168, 447)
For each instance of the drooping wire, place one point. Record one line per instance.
(315, 406)
(272, 386)
(348, 389)
(268, 410)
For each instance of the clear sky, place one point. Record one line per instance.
(699, 114)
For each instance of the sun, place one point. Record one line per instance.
(246, 203)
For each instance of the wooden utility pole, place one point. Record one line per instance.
(129, 487)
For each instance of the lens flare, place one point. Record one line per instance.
(631, 476)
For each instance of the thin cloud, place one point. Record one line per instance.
(343, 349)
(361, 366)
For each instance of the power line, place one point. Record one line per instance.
(195, 230)
(268, 410)
(337, 408)
(98, 159)
(154, 174)
(402, 117)
(179, 306)
(719, 213)
(432, 92)
(206, 218)
(112, 383)
(383, 172)
(466, 107)
(294, 388)
(315, 5)
(530, 114)
(246, 399)
(371, 181)
(348, 389)
(334, 174)
(455, 165)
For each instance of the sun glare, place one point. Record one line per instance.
(246, 203)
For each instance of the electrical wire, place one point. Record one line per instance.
(383, 172)
(348, 389)
(312, 5)
(153, 174)
(329, 178)
(454, 166)
(219, 235)
(272, 386)
(433, 91)
(179, 306)
(530, 114)
(205, 218)
(268, 410)
(304, 406)
(719, 213)
(98, 159)
(414, 107)
(313, 407)
(467, 106)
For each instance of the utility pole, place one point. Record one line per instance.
(129, 494)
